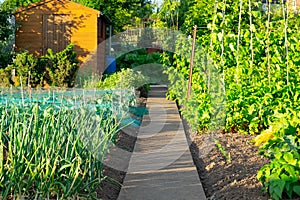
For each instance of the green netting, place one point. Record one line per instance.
(117, 102)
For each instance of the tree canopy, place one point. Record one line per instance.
(123, 13)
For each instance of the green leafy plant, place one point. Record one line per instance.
(5, 78)
(47, 152)
(52, 143)
(126, 78)
(57, 69)
(62, 67)
(281, 143)
(259, 78)
(137, 58)
(28, 69)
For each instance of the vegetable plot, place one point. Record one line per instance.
(54, 150)
(246, 80)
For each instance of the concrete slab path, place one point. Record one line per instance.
(161, 166)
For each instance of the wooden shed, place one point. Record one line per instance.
(56, 23)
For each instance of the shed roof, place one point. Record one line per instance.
(61, 2)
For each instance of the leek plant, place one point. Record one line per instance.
(53, 151)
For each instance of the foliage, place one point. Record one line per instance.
(14, 4)
(126, 78)
(148, 64)
(223, 151)
(121, 13)
(28, 69)
(4, 77)
(249, 78)
(147, 38)
(168, 14)
(136, 58)
(281, 143)
(57, 69)
(6, 38)
(47, 152)
(5, 27)
(62, 67)
(255, 89)
(198, 108)
(198, 13)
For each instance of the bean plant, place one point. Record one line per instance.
(246, 74)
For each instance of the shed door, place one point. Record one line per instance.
(56, 32)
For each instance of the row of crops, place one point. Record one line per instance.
(52, 141)
(246, 80)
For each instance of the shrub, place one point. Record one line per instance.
(57, 69)
(137, 58)
(62, 67)
(6, 38)
(126, 78)
(28, 69)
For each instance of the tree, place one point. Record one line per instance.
(124, 13)
(169, 13)
(10, 5)
(6, 38)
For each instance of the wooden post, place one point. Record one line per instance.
(191, 64)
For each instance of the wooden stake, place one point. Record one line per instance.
(286, 17)
(191, 64)
(268, 42)
(238, 43)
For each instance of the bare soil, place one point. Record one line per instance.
(224, 179)
(111, 186)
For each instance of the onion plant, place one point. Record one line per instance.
(54, 151)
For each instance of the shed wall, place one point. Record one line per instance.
(82, 21)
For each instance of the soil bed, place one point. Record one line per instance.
(110, 187)
(228, 180)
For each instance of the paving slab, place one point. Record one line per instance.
(161, 166)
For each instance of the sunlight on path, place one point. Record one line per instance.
(161, 166)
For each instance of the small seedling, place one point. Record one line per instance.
(223, 151)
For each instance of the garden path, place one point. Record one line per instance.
(161, 166)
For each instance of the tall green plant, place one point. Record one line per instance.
(261, 79)
(49, 152)
(62, 67)
(27, 69)
(126, 79)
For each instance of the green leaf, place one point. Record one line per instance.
(214, 37)
(289, 158)
(276, 188)
(296, 189)
(253, 28)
